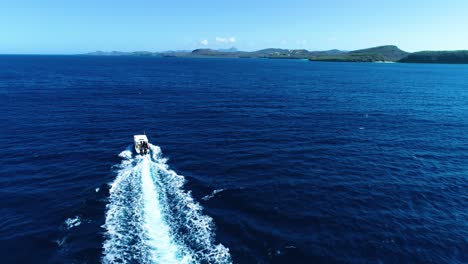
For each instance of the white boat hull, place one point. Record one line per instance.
(141, 144)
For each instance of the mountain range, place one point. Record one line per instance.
(387, 53)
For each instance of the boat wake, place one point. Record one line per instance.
(151, 219)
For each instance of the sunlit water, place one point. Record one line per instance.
(283, 161)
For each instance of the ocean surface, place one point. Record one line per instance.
(252, 161)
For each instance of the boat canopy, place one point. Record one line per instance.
(139, 138)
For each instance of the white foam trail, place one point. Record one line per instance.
(151, 219)
(73, 222)
(163, 249)
(209, 196)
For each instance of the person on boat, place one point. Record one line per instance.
(144, 147)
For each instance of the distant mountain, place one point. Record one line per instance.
(143, 53)
(232, 49)
(381, 53)
(271, 53)
(173, 53)
(288, 54)
(121, 53)
(375, 54)
(264, 53)
(108, 53)
(214, 53)
(328, 52)
(206, 52)
(453, 57)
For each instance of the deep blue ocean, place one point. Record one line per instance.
(252, 161)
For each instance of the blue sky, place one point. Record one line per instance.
(67, 27)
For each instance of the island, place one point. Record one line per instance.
(387, 53)
(271, 53)
(452, 57)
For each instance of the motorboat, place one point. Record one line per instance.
(141, 144)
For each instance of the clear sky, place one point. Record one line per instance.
(72, 26)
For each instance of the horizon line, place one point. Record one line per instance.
(208, 48)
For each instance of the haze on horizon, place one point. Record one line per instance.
(70, 27)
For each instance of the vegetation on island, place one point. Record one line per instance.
(454, 57)
(381, 53)
(228, 53)
(264, 53)
(388, 53)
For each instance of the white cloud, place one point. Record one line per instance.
(204, 42)
(226, 40)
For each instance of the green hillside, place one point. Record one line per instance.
(381, 53)
(454, 57)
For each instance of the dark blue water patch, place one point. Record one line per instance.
(312, 162)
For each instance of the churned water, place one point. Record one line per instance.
(252, 161)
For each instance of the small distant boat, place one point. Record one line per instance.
(141, 144)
